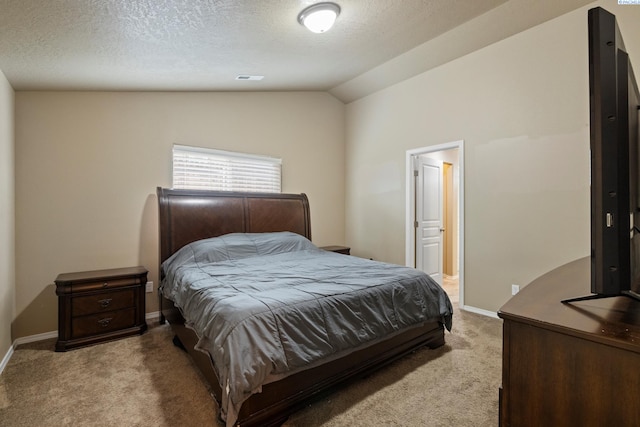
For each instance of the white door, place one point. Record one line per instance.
(429, 216)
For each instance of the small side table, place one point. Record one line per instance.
(101, 305)
(337, 249)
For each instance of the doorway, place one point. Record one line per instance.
(440, 254)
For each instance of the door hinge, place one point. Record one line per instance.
(415, 224)
(415, 172)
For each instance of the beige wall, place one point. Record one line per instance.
(522, 108)
(88, 164)
(7, 234)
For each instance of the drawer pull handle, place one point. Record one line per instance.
(105, 302)
(105, 284)
(105, 322)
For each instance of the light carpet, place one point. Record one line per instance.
(146, 381)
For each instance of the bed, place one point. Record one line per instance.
(223, 250)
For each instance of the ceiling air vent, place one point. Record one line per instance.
(248, 77)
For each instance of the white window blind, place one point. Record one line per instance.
(208, 169)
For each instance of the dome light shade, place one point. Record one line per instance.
(319, 17)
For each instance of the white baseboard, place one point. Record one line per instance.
(25, 340)
(5, 359)
(34, 338)
(154, 315)
(480, 311)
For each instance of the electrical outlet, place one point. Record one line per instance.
(515, 289)
(149, 287)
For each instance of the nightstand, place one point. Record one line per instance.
(101, 305)
(338, 249)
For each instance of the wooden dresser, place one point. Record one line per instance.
(572, 364)
(96, 306)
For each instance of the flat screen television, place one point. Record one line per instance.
(614, 103)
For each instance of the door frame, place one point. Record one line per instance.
(410, 205)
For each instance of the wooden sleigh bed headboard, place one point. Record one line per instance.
(189, 215)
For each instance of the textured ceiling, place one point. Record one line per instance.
(203, 45)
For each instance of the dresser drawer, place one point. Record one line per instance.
(102, 322)
(104, 301)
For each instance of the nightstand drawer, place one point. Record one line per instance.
(104, 284)
(105, 301)
(103, 322)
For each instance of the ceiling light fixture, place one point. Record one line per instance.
(319, 17)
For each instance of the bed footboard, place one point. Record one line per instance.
(282, 398)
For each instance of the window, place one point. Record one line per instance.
(207, 169)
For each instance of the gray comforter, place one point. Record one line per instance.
(270, 304)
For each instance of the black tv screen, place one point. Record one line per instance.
(615, 214)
